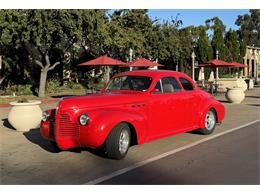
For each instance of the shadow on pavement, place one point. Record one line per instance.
(100, 152)
(248, 96)
(253, 104)
(35, 137)
(223, 101)
(7, 124)
(195, 132)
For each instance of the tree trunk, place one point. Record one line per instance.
(0, 64)
(2, 79)
(181, 69)
(108, 70)
(2, 76)
(44, 72)
(43, 80)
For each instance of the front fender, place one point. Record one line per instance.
(102, 122)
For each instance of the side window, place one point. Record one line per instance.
(170, 85)
(186, 84)
(158, 86)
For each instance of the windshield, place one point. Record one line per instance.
(137, 83)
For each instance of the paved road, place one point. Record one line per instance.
(229, 159)
(26, 158)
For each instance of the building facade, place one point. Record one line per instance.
(252, 60)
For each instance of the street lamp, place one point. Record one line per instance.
(217, 52)
(193, 63)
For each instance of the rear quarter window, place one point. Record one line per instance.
(186, 84)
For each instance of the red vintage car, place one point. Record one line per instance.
(134, 107)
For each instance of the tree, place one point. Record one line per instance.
(51, 33)
(217, 42)
(249, 31)
(12, 31)
(129, 30)
(204, 50)
(93, 38)
(187, 46)
(233, 46)
(42, 39)
(95, 32)
(45, 35)
(140, 25)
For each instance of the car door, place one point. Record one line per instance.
(190, 103)
(165, 104)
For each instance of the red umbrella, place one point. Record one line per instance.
(142, 62)
(221, 63)
(103, 61)
(238, 65)
(215, 63)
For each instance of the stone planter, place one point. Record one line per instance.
(25, 116)
(241, 83)
(235, 95)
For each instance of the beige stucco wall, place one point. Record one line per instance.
(252, 60)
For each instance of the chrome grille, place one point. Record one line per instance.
(66, 127)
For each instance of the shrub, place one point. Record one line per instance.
(92, 85)
(19, 90)
(22, 100)
(53, 86)
(72, 85)
(227, 76)
(100, 85)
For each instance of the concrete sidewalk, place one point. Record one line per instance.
(26, 158)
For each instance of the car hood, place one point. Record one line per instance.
(100, 100)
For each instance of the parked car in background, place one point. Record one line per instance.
(134, 107)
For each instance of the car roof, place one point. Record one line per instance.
(153, 73)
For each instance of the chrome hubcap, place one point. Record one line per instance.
(123, 141)
(210, 120)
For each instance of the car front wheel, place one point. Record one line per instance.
(118, 141)
(209, 122)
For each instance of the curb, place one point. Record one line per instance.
(43, 102)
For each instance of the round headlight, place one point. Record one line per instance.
(45, 116)
(84, 119)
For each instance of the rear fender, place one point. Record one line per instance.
(206, 106)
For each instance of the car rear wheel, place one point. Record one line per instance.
(210, 122)
(118, 141)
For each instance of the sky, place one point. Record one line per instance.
(197, 17)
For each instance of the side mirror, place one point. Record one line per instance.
(155, 91)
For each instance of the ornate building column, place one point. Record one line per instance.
(252, 60)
